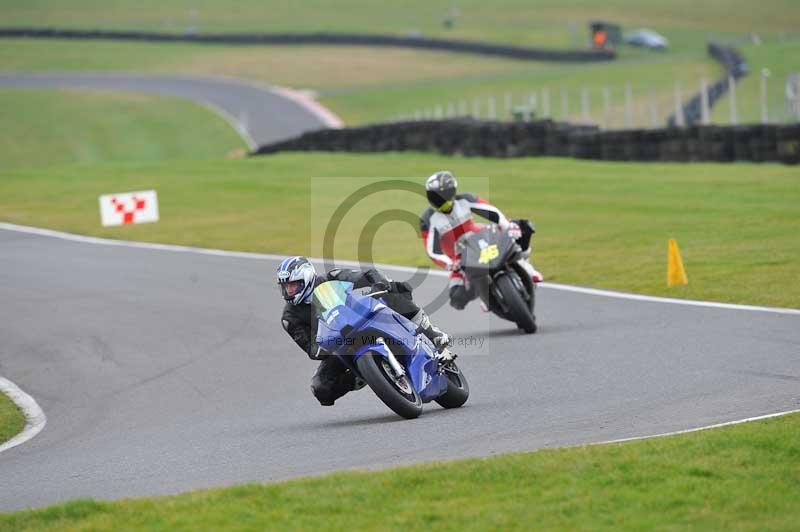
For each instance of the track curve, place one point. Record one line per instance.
(162, 372)
(261, 114)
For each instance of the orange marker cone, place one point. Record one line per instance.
(675, 272)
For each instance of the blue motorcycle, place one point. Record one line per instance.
(382, 348)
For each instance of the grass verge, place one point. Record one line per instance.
(545, 22)
(11, 419)
(50, 127)
(745, 477)
(600, 224)
(363, 84)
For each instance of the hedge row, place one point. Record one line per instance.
(450, 45)
(547, 138)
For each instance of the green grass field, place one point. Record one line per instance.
(744, 477)
(599, 224)
(544, 22)
(51, 127)
(367, 85)
(11, 419)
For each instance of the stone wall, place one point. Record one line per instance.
(466, 137)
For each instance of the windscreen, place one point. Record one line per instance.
(330, 295)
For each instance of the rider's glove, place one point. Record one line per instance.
(514, 231)
(455, 265)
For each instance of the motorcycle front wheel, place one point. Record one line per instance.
(396, 392)
(519, 311)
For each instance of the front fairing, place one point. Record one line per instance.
(486, 251)
(340, 311)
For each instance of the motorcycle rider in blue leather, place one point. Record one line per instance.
(297, 278)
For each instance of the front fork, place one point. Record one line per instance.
(398, 369)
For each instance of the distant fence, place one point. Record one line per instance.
(449, 45)
(760, 143)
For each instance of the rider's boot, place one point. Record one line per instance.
(439, 338)
(528, 268)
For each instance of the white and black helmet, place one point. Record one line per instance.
(296, 278)
(441, 189)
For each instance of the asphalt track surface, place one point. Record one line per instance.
(261, 114)
(162, 372)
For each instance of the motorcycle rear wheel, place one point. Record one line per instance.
(396, 393)
(517, 308)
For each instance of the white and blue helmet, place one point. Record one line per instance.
(296, 278)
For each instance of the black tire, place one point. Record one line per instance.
(457, 387)
(404, 404)
(517, 307)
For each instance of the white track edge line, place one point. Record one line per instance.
(406, 269)
(668, 300)
(239, 127)
(697, 429)
(35, 420)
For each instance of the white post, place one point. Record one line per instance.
(564, 105)
(732, 100)
(628, 106)
(476, 109)
(507, 105)
(545, 102)
(680, 120)
(653, 110)
(585, 105)
(437, 112)
(531, 106)
(607, 107)
(451, 110)
(705, 117)
(462, 108)
(764, 112)
(490, 113)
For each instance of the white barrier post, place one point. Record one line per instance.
(531, 107)
(490, 113)
(607, 107)
(705, 117)
(628, 106)
(545, 102)
(764, 111)
(437, 112)
(732, 100)
(564, 105)
(451, 110)
(653, 109)
(680, 120)
(585, 106)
